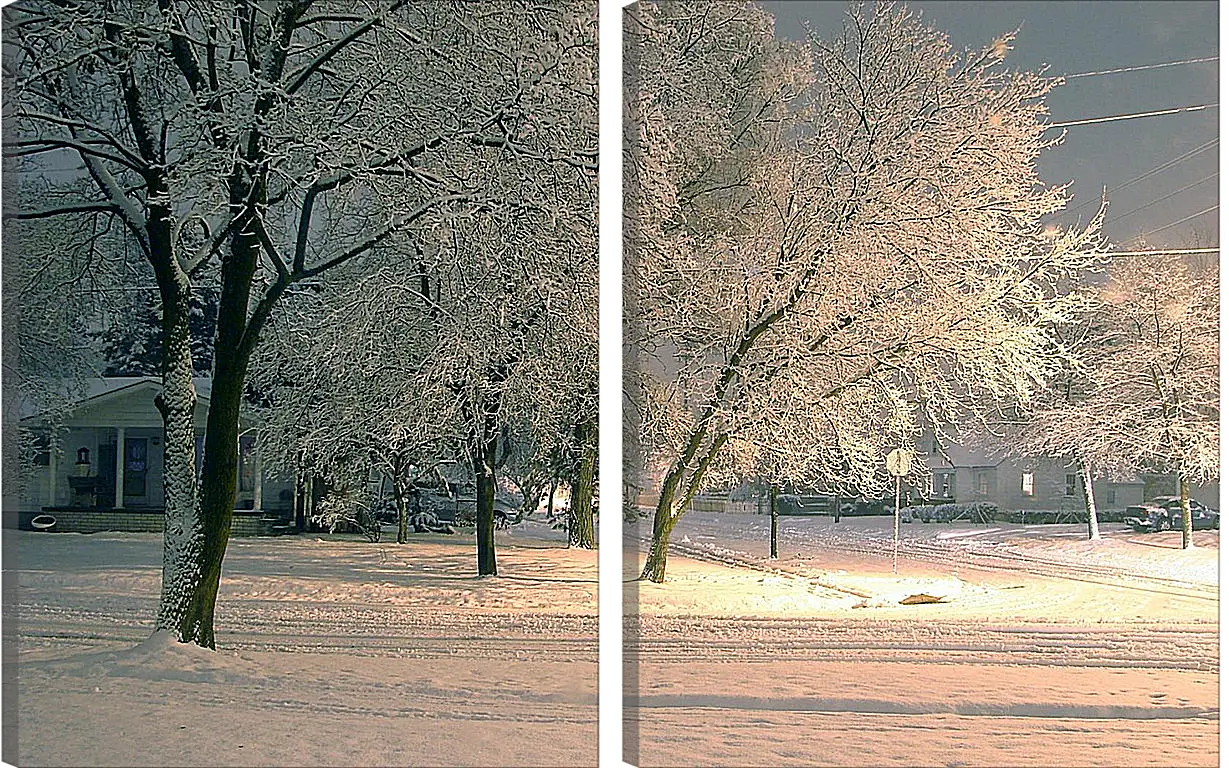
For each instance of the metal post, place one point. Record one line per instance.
(772, 503)
(896, 527)
(898, 465)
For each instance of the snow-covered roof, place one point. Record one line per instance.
(103, 386)
(102, 389)
(966, 456)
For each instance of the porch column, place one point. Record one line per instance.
(294, 499)
(258, 481)
(120, 455)
(52, 467)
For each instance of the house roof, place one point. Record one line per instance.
(100, 391)
(970, 456)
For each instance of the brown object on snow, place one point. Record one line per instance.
(920, 599)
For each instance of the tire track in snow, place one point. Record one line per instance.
(989, 557)
(982, 557)
(706, 639)
(885, 707)
(306, 627)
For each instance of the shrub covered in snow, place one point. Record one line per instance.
(343, 509)
(976, 511)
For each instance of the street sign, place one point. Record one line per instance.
(898, 462)
(898, 466)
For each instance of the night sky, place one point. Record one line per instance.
(1075, 37)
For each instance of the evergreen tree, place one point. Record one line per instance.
(132, 340)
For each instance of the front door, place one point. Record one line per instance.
(104, 493)
(136, 466)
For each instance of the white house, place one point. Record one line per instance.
(1038, 484)
(99, 466)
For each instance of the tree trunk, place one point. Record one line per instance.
(664, 520)
(401, 496)
(219, 473)
(1188, 528)
(183, 537)
(580, 528)
(531, 496)
(668, 511)
(772, 510)
(484, 480)
(1090, 503)
(195, 548)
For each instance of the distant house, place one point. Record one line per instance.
(99, 465)
(1038, 484)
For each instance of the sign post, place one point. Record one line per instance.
(898, 462)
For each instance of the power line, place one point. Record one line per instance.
(1167, 164)
(1137, 69)
(1132, 115)
(1179, 221)
(1163, 198)
(1161, 252)
(1149, 173)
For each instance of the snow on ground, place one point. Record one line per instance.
(1045, 649)
(331, 651)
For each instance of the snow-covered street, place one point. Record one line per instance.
(1045, 650)
(331, 651)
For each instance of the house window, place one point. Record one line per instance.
(42, 450)
(1111, 496)
(983, 483)
(1072, 483)
(1026, 484)
(942, 484)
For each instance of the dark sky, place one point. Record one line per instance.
(1074, 37)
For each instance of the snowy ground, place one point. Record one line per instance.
(1046, 650)
(332, 651)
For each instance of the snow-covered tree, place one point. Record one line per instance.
(49, 307)
(1145, 395)
(1042, 427)
(131, 336)
(50, 303)
(466, 339)
(829, 246)
(477, 350)
(555, 449)
(259, 146)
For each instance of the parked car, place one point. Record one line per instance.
(795, 504)
(1164, 513)
(858, 506)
